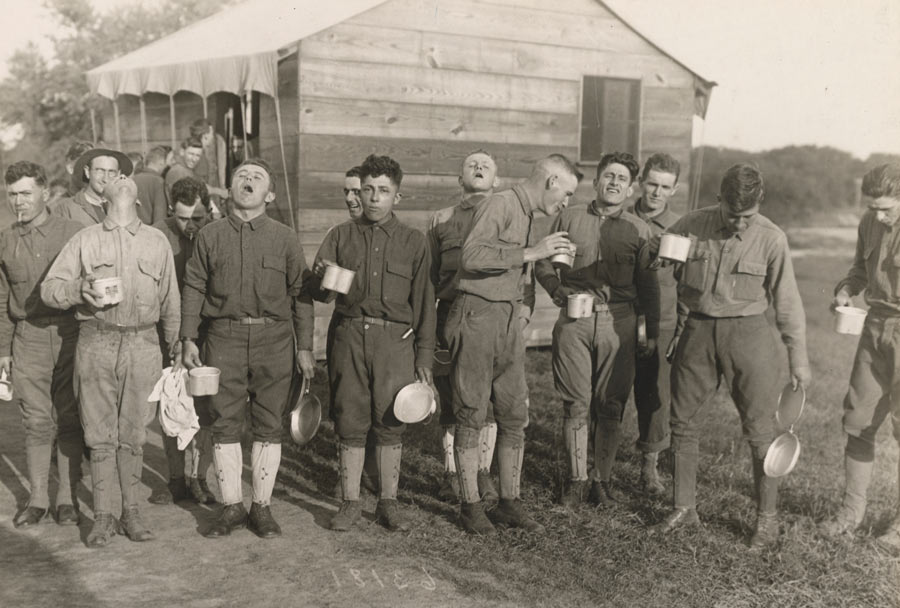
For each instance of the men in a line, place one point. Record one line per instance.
(352, 192)
(485, 337)
(118, 358)
(95, 169)
(37, 344)
(244, 280)
(659, 182)
(875, 379)
(739, 262)
(446, 234)
(593, 356)
(151, 187)
(190, 214)
(383, 337)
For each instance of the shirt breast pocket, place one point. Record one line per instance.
(621, 270)
(101, 267)
(451, 250)
(695, 271)
(16, 272)
(748, 280)
(148, 281)
(272, 279)
(397, 281)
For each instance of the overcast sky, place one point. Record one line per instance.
(823, 72)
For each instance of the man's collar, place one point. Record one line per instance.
(131, 227)
(594, 208)
(720, 223)
(388, 224)
(524, 200)
(663, 219)
(89, 200)
(469, 201)
(42, 228)
(255, 223)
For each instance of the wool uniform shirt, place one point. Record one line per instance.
(182, 246)
(79, 209)
(392, 265)
(139, 255)
(493, 256)
(612, 260)
(152, 195)
(668, 286)
(735, 275)
(446, 233)
(247, 269)
(26, 252)
(876, 266)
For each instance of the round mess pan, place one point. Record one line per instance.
(306, 414)
(782, 455)
(414, 403)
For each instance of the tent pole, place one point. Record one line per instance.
(287, 182)
(205, 107)
(143, 124)
(172, 122)
(244, 125)
(94, 126)
(116, 119)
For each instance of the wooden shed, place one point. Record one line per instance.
(315, 87)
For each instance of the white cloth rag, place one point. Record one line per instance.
(177, 416)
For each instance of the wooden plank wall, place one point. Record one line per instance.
(426, 83)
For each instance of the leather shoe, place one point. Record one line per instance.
(66, 515)
(262, 523)
(680, 517)
(134, 525)
(30, 516)
(766, 532)
(105, 527)
(389, 513)
(233, 517)
(200, 491)
(603, 494)
(347, 515)
(175, 491)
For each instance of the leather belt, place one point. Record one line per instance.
(601, 307)
(122, 329)
(372, 321)
(253, 321)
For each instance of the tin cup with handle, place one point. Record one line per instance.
(564, 258)
(674, 247)
(110, 290)
(337, 279)
(580, 305)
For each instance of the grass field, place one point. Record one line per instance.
(591, 557)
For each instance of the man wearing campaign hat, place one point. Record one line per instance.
(118, 358)
(92, 172)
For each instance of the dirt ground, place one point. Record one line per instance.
(49, 565)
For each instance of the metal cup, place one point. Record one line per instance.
(566, 258)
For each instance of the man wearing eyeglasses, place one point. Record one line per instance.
(191, 212)
(93, 171)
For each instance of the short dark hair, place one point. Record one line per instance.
(137, 161)
(156, 154)
(200, 127)
(742, 187)
(259, 162)
(77, 149)
(191, 142)
(663, 163)
(883, 180)
(187, 189)
(376, 166)
(26, 168)
(352, 172)
(620, 158)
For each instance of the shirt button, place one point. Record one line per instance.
(376, 249)
(726, 250)
(375, 274)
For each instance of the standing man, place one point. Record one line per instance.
(874, 392)
(447, 232)
(352, 193)
(94, 170)
(190, 213)
(185, 165)
(244, 280)
(383, 336)
(211, 169)
(73, 184)
(593, 357)
(37, 344)
(152, 188)
(485, 337)
(739, 262)
(118, 358)
(659, 182)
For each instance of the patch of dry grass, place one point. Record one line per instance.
(590, 557)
